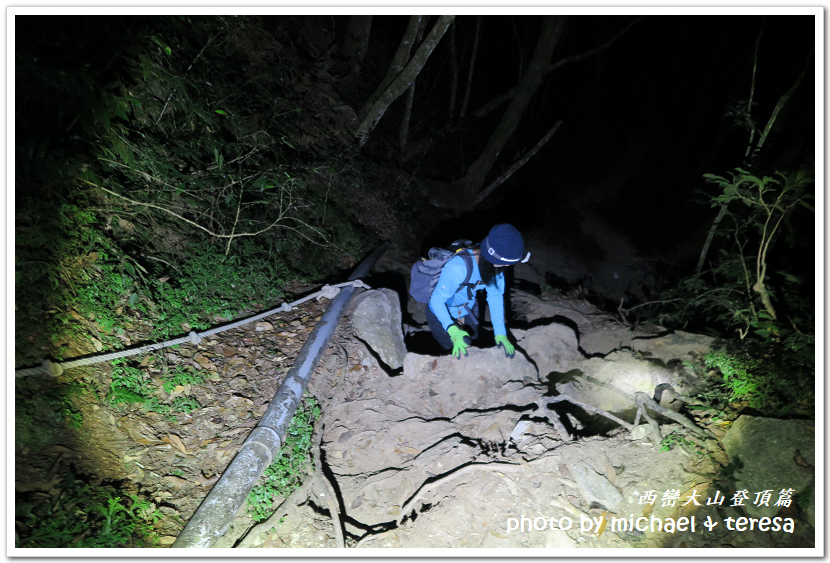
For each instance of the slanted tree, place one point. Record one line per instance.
(752, 148)
(422, 145)
(466, 101)
(355, 42)
(404, 79)
(462, 193)
(403, 131)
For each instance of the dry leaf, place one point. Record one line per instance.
(141, 438)
(610, 472)
(235, 399)
(204, 362)
(175, 481)
(209, 482)
(602, 524)
(176, 442)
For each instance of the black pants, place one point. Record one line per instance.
(441, 335)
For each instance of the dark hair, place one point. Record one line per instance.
(487, 271)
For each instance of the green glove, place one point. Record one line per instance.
(509, 349)
(460, 341)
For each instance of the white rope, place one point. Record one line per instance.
(193, 337)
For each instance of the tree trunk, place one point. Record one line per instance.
(517, 165)
(470, 184)
(399, 60)
(781, 101)
(453, 75)
(470, 73)
(403, 133)
(356, 41)
(404, 80)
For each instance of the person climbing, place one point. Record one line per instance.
(453, 302)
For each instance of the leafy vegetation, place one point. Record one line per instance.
(291, 465)
(752, 291)
(738, 294)
(45, 411)
(765, 379)
(84, 516)
(156, 188)
(181, 375)
(677, 439)
(132, 385)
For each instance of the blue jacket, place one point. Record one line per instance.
(449, 303)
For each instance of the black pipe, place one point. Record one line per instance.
(213, 517)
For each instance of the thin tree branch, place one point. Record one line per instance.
(188, 221)
(517, 165)
(401, 56)
(173, 93)
(463, 112)
(235, 221)
(453, 74)
(404, 79)
(781, 101)
(499, 100)
(752, 128)
(453, 474)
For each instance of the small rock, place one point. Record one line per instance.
(167, 540)
(595, 488)
(537, 449)
(264, 326)
(641, 431)
(519, 430)
(574, 422)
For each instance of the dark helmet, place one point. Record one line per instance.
(504, 246)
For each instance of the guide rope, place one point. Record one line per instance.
(193, 337)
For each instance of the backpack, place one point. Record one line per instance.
(426, 271)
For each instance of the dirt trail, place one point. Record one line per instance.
(456, 453)
(445, 453)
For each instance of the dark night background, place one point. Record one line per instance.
(643, 119)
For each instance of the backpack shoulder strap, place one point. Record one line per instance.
(468, 261)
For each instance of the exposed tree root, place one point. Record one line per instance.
(643, 402)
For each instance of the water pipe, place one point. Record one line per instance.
(218, 509)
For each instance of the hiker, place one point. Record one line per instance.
(453, 302)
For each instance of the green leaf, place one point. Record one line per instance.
(164, 47)
(220, 112)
